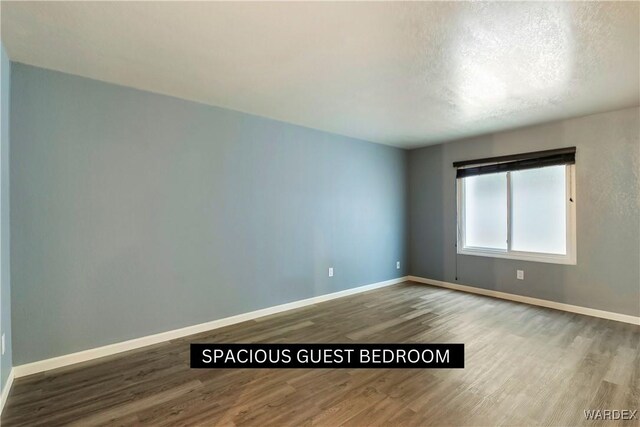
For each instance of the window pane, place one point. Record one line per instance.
(485, 202)
(539, 210)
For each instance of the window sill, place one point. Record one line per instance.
(521, 256)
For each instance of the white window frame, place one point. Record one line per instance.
(570, 258)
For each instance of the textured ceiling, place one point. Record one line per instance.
(404, 74)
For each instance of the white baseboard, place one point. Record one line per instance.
(634, 320)
(6, 389)
(107, 350)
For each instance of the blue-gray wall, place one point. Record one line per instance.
(134, 213)
(607, 275)
(5, 291)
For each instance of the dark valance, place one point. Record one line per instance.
(537, 159)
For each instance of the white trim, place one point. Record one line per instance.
(570, 258)
(634, 320)
(520, 256)
(107, 350)
(6, 389)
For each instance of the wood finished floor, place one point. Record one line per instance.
(524, 366)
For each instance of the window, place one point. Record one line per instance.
(526, 214)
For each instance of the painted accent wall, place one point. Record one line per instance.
(607, 275)
(134, 213)
(6, 362)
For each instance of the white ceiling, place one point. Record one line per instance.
(404, 74)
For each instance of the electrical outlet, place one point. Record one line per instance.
(520, 274)
(398, 265)
(3, 344)
(330, 271)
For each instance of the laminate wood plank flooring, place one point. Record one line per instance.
(524, 365)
